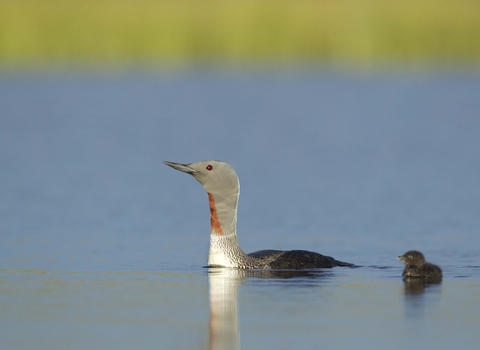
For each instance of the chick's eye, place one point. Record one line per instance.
(209, 167)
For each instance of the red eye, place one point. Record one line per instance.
(209, 167)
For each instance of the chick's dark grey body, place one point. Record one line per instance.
(417, 267)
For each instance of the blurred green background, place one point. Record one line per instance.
(124, 33)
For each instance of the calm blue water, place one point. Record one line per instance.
(102, 246)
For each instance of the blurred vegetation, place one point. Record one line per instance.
(181, 32)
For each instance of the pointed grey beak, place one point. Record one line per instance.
(184, 168)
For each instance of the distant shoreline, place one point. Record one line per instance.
(182, 33)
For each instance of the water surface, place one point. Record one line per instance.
(103, 246)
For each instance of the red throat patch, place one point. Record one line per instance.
(214, 222)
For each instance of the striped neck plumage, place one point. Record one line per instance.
(223, 214)
(224, 249)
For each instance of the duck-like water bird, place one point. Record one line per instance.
(417, 267)
(221, 183)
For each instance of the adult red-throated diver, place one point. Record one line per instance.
(221, 183)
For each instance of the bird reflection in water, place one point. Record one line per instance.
(417, 285)
(223, 283)
(416, 300)
(223, 287)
